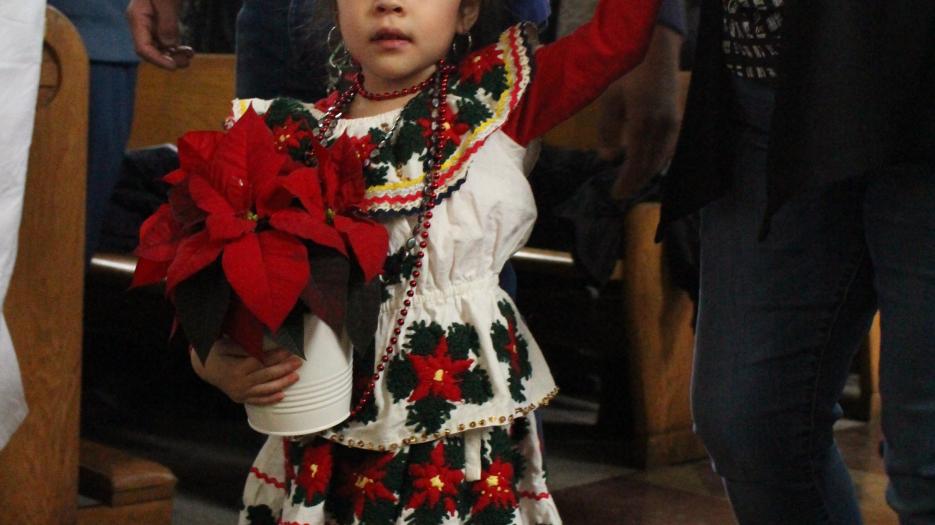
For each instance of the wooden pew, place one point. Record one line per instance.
(45, 466)
(39, 480)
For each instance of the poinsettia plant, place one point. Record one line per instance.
(251, 239)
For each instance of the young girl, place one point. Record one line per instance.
(439, 431)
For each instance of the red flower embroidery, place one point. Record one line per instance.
(495, 487)
(325, 103)
(315, 470)
(363, 145)
(365, 483)
(434, 482)
(475, 66)
(438, 374)
(511, 347)
(289, 134)
(451, 131)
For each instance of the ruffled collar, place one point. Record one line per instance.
(485, 88)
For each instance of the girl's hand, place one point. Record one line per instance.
(245, 379)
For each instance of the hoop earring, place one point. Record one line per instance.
(455, 51)
(339, 59)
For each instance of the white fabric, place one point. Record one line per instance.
(21, 33)
(474, 232)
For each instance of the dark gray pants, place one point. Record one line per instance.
(780, 320)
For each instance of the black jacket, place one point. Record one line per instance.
(856, 93)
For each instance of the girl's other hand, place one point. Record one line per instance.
(245, 379)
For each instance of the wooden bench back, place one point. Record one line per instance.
(169, 103)
(39, 480)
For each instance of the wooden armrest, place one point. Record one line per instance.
(117, 268)
(119, 479)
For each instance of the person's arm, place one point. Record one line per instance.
(642, 107)
(154, 25)
(576, 69)
(243, 378)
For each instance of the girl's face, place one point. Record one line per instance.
(398, 42)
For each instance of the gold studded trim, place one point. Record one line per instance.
(490, 421)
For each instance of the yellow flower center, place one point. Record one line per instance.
(447, 126)
(439, 375)
(329, 216)
(362, 481)
(313, 468)
(252, 216)
(437, 482)
(493, 481)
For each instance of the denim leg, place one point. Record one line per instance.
(779, 322)
(110, 115)
(280, 50)
(900, 225)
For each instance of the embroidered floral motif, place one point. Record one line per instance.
(439, 375)
(493, 498)
(290, 134)
(512, 349)
(310, 469)
(435, 485)
(365, 488)
(476, 65)
(495, 487)
(452, 130)
(291, 123)
(435, 372)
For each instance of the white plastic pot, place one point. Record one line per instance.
(321, 398)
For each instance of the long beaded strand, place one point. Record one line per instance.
(420, 233)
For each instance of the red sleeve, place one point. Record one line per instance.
(572, 72)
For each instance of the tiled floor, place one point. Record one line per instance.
(692, 494)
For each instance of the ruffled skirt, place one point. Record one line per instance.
(492, 475)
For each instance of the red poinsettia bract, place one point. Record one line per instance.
(234, 198)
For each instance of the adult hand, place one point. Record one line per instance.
(245, 379)
(648, 97)
(154, 25)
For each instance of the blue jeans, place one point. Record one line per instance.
(780, 320)
(281, 50)
(110, 116)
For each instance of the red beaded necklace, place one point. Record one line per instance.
(418, 242)
(389, 95)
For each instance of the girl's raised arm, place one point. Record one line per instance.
(576, 69)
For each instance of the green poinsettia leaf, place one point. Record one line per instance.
(473, 112)
(476, 387)
(201, 303)
(291, 335)
(326, 291)
(363, 309)
(428, 414)
(422, 338)
(401, 379)
(462, 340)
